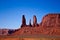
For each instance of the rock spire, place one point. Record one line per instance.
(34, 21)
(23, 21)
(30, 23)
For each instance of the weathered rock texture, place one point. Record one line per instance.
(51, 20)
(50, 25)
(30, 23)
(34, 21)
(6, 31)
(23, 21)
(3, 31)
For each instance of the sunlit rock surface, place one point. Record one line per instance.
(50, 25)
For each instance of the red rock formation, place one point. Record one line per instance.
(23, 21)
(4, 31)
(34, 21)
(30, 23)
(51, 20)
(50, 25)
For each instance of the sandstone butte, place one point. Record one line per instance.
(50, 25)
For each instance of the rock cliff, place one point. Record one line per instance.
(50, 25)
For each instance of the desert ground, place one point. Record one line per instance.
(30, 37)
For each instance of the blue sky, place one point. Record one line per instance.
(11, 11)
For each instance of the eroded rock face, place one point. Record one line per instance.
(30, 23)
(23, 21)
(34, 21)
(51, 20)
(50, 25)
(3, 31)
(6, 31)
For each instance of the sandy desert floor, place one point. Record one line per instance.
(29, 38)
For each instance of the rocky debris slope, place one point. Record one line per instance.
(50, 25)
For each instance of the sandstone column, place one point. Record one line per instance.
(30, 23)
(23, 21)
(34, 21)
